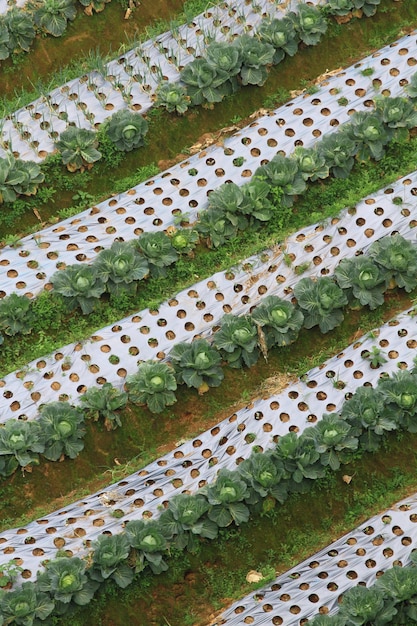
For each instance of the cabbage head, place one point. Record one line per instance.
(103, 402)
(126, 130)
(280, 320)
(79, 285)
(149, 543)
(197, 364)
(333, 440)
(22, 441)
(309, 23)
(400, 395)
(363, 279)
(185, 520)
(338, 150)
(321, 302)
(159, 252)
(366, 605)
(109, 560)
(280, 34)
(25, 606)
(300, 460)
(370, 134)
(237, 339)
(311, 163)
(154, 385)
(285, 174)
(265, 477)
(398, 257)
(256, 56)
(63, 430)
(398, 114)
(227, 495)
(172, 97)
(65, 579)
(121, 267)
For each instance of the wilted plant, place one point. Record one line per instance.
(21, 29)
(300, 460)
(93, 6)
(339, 7)
(285, 174)
(216, 228)
(186, 519)
(18, 178)
(367, 6)
(338, 151)
(4, 39)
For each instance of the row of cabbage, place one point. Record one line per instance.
(238, 342)
(263, 479)
(368, 576)
(268, 197)
(115, 351)
(22, 20)
(137, 79)
(194, 464)
(109, 221)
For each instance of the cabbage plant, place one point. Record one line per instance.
(63, 430)
(227, 498)
(20, 443)
(104, 402)
(327, 620)
(280, 320)
(280, 34)
(264, 474)
(25, 606)
(399, 584)
(367, 6)
(366, 605)
(400, 395)
(52, 16)
(126, 130)
(149, 543)
(185, 520)
(21, 28)
(338, 150)
(364, 279)
(333, 440)
(237, 339)
(366, 413)
(184, 240)
(79, 285)
(411, 88)
(300, 459)
(154, 385)
(16, 315)
(65, 580)
(204, 82)
(159, 252)
(398, 256)
(285, 174)
(4, 39)
(339, 7)
(256, 205)
(398, 114)
(120, 267)
(229, 199)
(110, 553)
(216, 228)
(321, 301)
(369, 133)
(78, 148)
(18, 177)
(311, 163)
(93, 6)
(256, 56)
(197, 364)
(172, 97)
(225, 58)
(309, 23)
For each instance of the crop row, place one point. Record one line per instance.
(264, 478)
(131, 81)
(150, 334)
(180, 192)
(195, 463)
(366, 576)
